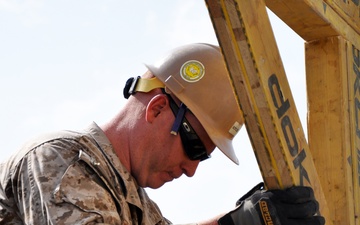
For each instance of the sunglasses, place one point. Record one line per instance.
(193, 146)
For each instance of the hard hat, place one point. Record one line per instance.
(196, 74)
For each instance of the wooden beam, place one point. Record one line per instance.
(316, 19)
(353, 71)
(348, 10)
(244, 33)
(329, 124)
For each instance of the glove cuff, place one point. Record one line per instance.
(241, 215)
(259, 186)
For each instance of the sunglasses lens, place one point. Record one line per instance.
(193, 146)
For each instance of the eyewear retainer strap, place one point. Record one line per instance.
(178, 120)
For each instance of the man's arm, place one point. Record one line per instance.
(52, 186)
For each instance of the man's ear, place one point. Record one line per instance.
(155, 106)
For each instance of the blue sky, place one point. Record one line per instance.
(63, 64)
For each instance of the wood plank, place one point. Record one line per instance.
(249, 48)
(315, 19)
(349, 10)
(353, 56)
(329, 125)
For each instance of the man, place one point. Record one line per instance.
(177, 113)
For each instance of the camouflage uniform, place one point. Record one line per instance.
(72, 178)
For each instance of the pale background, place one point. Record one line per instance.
(63, 64)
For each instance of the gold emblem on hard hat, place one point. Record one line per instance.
(192, 71)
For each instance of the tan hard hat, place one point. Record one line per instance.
(196, 74)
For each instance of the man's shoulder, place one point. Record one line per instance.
(61, 140)
(63, 135)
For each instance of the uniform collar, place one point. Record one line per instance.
(131, 186)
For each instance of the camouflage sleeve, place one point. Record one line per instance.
(53, 187)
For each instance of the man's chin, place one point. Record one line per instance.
(159, 182)
(156, 186)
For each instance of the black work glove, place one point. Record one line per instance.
(292, 206)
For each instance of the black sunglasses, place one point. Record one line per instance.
(193, 146)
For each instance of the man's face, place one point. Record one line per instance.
(165, 159)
